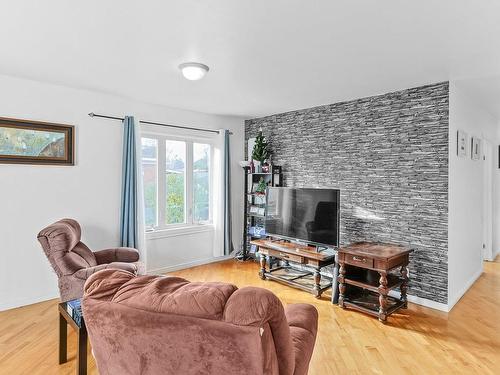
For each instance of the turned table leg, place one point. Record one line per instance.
(317, 283)
(262, 272)
(382, 299)
(404, 286)
(341, 285)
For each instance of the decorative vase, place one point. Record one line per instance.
(258, 167)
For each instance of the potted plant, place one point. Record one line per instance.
(260, 151)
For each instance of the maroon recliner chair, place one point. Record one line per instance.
(74, 262)
(153, 325)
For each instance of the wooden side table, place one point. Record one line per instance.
(367, 275)
(81, 331)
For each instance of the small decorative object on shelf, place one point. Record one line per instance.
(252, 167)
(258, 166)
(261, 187)
(265, 167)
(368, 271)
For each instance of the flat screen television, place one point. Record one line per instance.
(305, 214)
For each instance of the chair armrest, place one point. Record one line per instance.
(303, 322)
(117, 254)
(302, 315)
(84, 273)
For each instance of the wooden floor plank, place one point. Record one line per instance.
(416, 341)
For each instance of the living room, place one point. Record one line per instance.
(328, 201)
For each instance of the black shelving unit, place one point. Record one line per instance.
(256, 201)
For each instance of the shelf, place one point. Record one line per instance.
(368, 302)
(256, 215)
(257, 236)
(372, 284)
(262, 173)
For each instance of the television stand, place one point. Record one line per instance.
(292, 253)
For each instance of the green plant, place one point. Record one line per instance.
(261, 187)
(260, 149)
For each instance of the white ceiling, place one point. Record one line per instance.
(265, 56)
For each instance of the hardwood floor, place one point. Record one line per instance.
(416, 341)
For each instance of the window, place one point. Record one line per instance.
(177, 181)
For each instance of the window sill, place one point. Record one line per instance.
(179, 231)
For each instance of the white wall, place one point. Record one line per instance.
(496, 194)
(35, 196)
(466, 186)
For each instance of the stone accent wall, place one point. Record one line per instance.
(388, 155)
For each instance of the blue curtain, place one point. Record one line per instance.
(128, 213)
(228, 242)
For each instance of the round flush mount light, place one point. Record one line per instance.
(193, 71)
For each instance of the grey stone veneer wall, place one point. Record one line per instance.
(388, 155)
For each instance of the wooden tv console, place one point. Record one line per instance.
(289, 252)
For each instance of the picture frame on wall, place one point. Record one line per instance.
(461, 143)
(475, 148)
(34, 142)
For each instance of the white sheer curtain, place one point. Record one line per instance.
(221, 197)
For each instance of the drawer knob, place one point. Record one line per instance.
(357, 259)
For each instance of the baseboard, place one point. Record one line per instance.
(20, 302)
(452, 301)
(422, 301)
(194, 263)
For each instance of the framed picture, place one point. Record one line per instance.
(461, 144)
(475, 148)
(33, 142)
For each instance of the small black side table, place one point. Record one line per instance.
(81, 330)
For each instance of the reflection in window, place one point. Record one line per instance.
(201, 182)
(175, 161)
(149, 159)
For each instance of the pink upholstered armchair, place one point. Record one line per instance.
(154, 325)
(74, 262)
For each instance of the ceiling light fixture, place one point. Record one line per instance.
(193, 71)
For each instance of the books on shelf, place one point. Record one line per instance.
(74, 309)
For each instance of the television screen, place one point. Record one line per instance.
(310, 215)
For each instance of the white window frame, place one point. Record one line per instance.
(189, 226)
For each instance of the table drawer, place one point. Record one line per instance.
(286, 256)
(358, 260)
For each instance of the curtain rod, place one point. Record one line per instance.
(92, 114)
